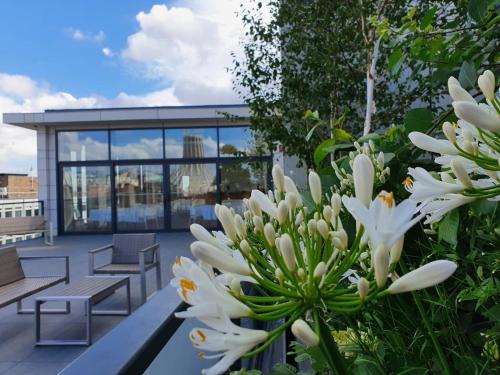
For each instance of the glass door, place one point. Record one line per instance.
(139, 197)
(193, 194)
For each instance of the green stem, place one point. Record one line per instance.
(329, 347)
(430, 332)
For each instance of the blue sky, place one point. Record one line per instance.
(110, 53)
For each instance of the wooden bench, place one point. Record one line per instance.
(15, 286)
(25, 225)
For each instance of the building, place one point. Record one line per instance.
(144, 169)
(18, 186)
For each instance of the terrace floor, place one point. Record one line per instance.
(18, 355)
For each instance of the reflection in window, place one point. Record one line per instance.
(240, 141)
(139, 197)
(83, 145)
(238, 179)
(136, 144)
(86, 199)
(193, 195)
(191, 143)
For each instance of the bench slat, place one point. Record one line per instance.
(26, 287)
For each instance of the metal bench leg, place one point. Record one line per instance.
(88, 309)
(158, 276)
(144, 296)
(21, 310)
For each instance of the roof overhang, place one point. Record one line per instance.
(109, 116)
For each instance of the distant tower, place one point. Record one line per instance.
(192, 146)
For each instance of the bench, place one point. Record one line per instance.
(15, 286)
(25, 225)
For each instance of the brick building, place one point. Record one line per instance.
(18, 186)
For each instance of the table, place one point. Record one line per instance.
(91, 290)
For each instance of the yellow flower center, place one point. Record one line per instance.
(408, 182)
(201, 354)
(387, 198)
(178, 260)
(187, 286)
(455, 125)
(203, 337)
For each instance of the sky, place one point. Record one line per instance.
(94, 53)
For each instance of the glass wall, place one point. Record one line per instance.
(156, 179)
(86, 194)
(239, 178)
(193, 189)
(137, 144)
(139, 197)
(83, 145)
(191, 143)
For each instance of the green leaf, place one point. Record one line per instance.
(468, 75)
(428, 18)
(328, 147)
(418, 119)
(493, 313)
(478, 10)
(448, 228)
(395, 61)
(340, 135)
(283, 369)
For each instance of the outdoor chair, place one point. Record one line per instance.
(130, 254)
(15, 286)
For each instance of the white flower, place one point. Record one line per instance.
(201, 234)
(205, 295)
(323, 228)
(363, 287)
(290, 187)
(396, 249)
(282, 214)
(287, 252)
(482, 116)
(320, 270)
(264, 203)
(459, 171)
(226, 218)
(381, 265)
(457, 92)
(439, 207)
(449, 132)
(304, 333)
(225, 337)
(218, 259)
(427, 143)
(278, 178)
(486, 82)
(427, 187)
(384, 222)
(363, 175)
(315, 187)
(423, 277)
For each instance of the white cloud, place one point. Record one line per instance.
(107, 52)
(81, 36)
(188, 46)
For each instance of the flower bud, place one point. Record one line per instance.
(287, 252)
(269, 234)
(457, 92)
(363, 287)
(258, 223)
(270, 195)
(301, 274)
(340, 240)
(299, 218)
(290, 187)
(470, 147)
(336, 204)
(363, 174)
(381, 160)
(304, 333)
(302, 230)
(449, 132)
(278, 273)
(241, 226)
(381, 265)
(323, 229)
(235, 286)
(327, 213)
(486, 82)
(227, 220)
(291, 200)
(459, 170)
(311, 227)
(427, 143)
(265, 203)
(315, 187)
(247, 215)
(396, 249)
(480, 116)
(278, 178)
(254, 206)
(245, 247)
(423, 277)
(218, 259)
(320, 270)
(282, 212)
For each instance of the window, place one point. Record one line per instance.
(83, 145)
(36, 212)
(8, 212)
(137, 144)
(240, 141)
(191, 143)
(28, 212)
(19, 212)
(87, 199)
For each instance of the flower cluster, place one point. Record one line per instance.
(469, 156)
(302, 266)
(380, 171)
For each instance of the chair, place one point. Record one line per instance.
(131, 254)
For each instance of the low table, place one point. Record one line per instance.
(91, 290)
